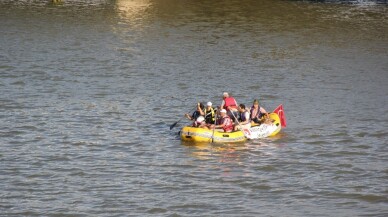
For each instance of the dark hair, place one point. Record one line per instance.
(201, 105)
(242, 106)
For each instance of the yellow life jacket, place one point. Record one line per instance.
(210, 115)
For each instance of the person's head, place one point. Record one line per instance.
(209, 104)
(223, 112)
(241, 107)
(256, 102)
(225, 95)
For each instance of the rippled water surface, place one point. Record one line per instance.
(90, 88)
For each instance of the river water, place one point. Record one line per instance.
(90, 88)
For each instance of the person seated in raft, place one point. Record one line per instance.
(244, 118)
(230, 105)
(196, 113)
(258, 113)
(226, 122)
(200, 123)
(209, 113)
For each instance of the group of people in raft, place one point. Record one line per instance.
(229, 116)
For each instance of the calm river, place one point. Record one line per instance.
(88, 90)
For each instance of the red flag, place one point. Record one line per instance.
(280, 111)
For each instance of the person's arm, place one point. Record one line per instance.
(188, 116)
(263, 111)
(221, 125)
(222, 104)
(201, 112)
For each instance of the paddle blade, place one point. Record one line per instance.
(173, 125)
(280, 111)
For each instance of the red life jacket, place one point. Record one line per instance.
(230, 101)
(228, 127)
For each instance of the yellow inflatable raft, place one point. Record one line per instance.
(276, 122)
(195, 134)
(267, 129)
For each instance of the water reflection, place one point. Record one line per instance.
(134, 12)
(233, 153)
(205, 151)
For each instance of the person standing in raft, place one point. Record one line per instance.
(196, 113)
(209, 113)
(244, 118)
(225, 123)
(230, 105)
(257, 113)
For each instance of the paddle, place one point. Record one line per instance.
(246, 134)
(215, 122)
(174, 124)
